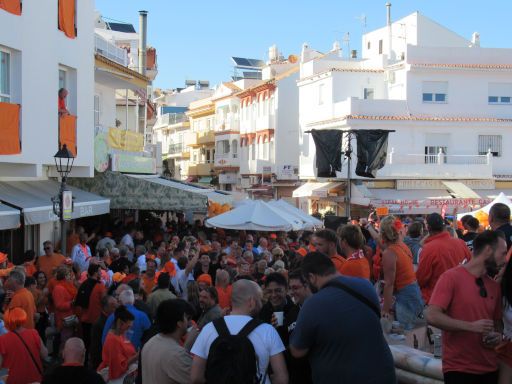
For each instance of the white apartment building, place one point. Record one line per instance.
(448, 101)
(32, 73)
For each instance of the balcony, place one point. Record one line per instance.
(191, 139)
(227, 160)
(265, 122)
(172, 119)
(200, 169)
(439, 166)
(206, 137)
(227, 124)
(178, 150)
(111, 51)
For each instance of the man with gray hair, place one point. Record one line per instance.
(121, 262)
(140, 324)
(246, 301)
(20, 297)
(73, 370)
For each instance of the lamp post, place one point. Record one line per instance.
(63, 203)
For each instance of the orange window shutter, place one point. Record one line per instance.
(67, 132)
(67, 17)
(9, 129)
(11, 6)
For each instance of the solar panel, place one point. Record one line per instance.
(244, 63)
(121, 27)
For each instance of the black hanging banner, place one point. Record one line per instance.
(372, 146)
(328, 151)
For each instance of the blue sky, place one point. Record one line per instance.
(196, 38)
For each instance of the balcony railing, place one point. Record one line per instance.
(110, 50)
(172, 118)
(439, 159)
(176, 148)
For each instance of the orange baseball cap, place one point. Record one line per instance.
(205, 278)
(170, 268)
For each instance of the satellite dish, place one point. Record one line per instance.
(293, 59)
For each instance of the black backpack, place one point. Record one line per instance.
(232, 358)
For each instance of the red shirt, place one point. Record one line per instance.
(458, 295)
(224, 296)
(115, 354)
(16, 357)
(92, 313)
(440, 253)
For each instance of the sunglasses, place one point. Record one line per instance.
(481, 285)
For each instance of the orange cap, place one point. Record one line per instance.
(170, 268)
(205, 278)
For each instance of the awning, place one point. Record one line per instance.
(9, 217)
(314, 189)
(460, 190)
(211, 194)
(144, 192)
(34, 200)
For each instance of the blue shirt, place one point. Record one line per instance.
(344, 336)
(134, 334)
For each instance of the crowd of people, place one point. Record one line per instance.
(179, 303)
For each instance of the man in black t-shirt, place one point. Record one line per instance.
(471, 225)
(73, 370)
(499, 220)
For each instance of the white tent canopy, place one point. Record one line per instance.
(501, 198)
(310, 222)
(256, 216)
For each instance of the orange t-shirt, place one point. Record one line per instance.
(338, 262)
(224, 296)
(25, 300)
(47, 264)
(404, 274)
(115, 354)
(62, 103)
(149, 283)
(356, 266)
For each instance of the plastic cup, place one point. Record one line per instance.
(279, 318)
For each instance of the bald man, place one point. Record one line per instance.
(73, 370)
(246, 303)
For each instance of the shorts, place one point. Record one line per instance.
(408, 305)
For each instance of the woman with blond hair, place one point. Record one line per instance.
(21, 349)
(399, 277)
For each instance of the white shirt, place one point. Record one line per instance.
(265, 339)
(141, 262)
(128, 241)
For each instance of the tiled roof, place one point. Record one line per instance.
(463, 66)
(413, 118)
(371, 70)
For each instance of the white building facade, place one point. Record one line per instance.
(446, 99)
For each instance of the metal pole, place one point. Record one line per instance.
(63, 237)
(348, 193)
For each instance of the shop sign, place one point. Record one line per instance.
(67, 205)
(101, 152)
(133, 164)
(382, 211)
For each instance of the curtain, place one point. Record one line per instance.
(328, 151)
(372, 146)
(9, 129)
(67, 17)
(11, 6)
(67, 133)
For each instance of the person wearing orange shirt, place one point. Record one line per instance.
(352, 243)
(399, 276)
(5, 266)
(29, 263)
(21, 297)
(224, 289)
(50, 260)
(325, 241)
(88, 299)
(63, 294)
(440, 253)
(63, 93)
(149, 277)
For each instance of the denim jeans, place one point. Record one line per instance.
(408, 305)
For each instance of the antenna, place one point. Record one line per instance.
(362, 19)
(346, 41)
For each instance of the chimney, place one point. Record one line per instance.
(143, 31)
(353, 54)
(475, 39)
(390, 34)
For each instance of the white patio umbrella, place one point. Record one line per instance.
(309, 221)
(501, 198)
(256, 216)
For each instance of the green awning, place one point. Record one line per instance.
(141, 192)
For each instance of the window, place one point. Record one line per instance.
(234, 146)
(321, 94)
(253, 151)
(5, 77)
(435, 92)
(488, 143)
(223, 147)
(96, 111)
(500, 93)
(380, 47)
(265, 148)
(368, 93)
(432, 153)
(369, 45)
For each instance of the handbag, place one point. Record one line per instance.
(30, 353)
(70, 321)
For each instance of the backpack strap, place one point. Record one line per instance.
(355, 294)
(249, 327)
(221, 327)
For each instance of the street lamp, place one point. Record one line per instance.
(63, 203)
